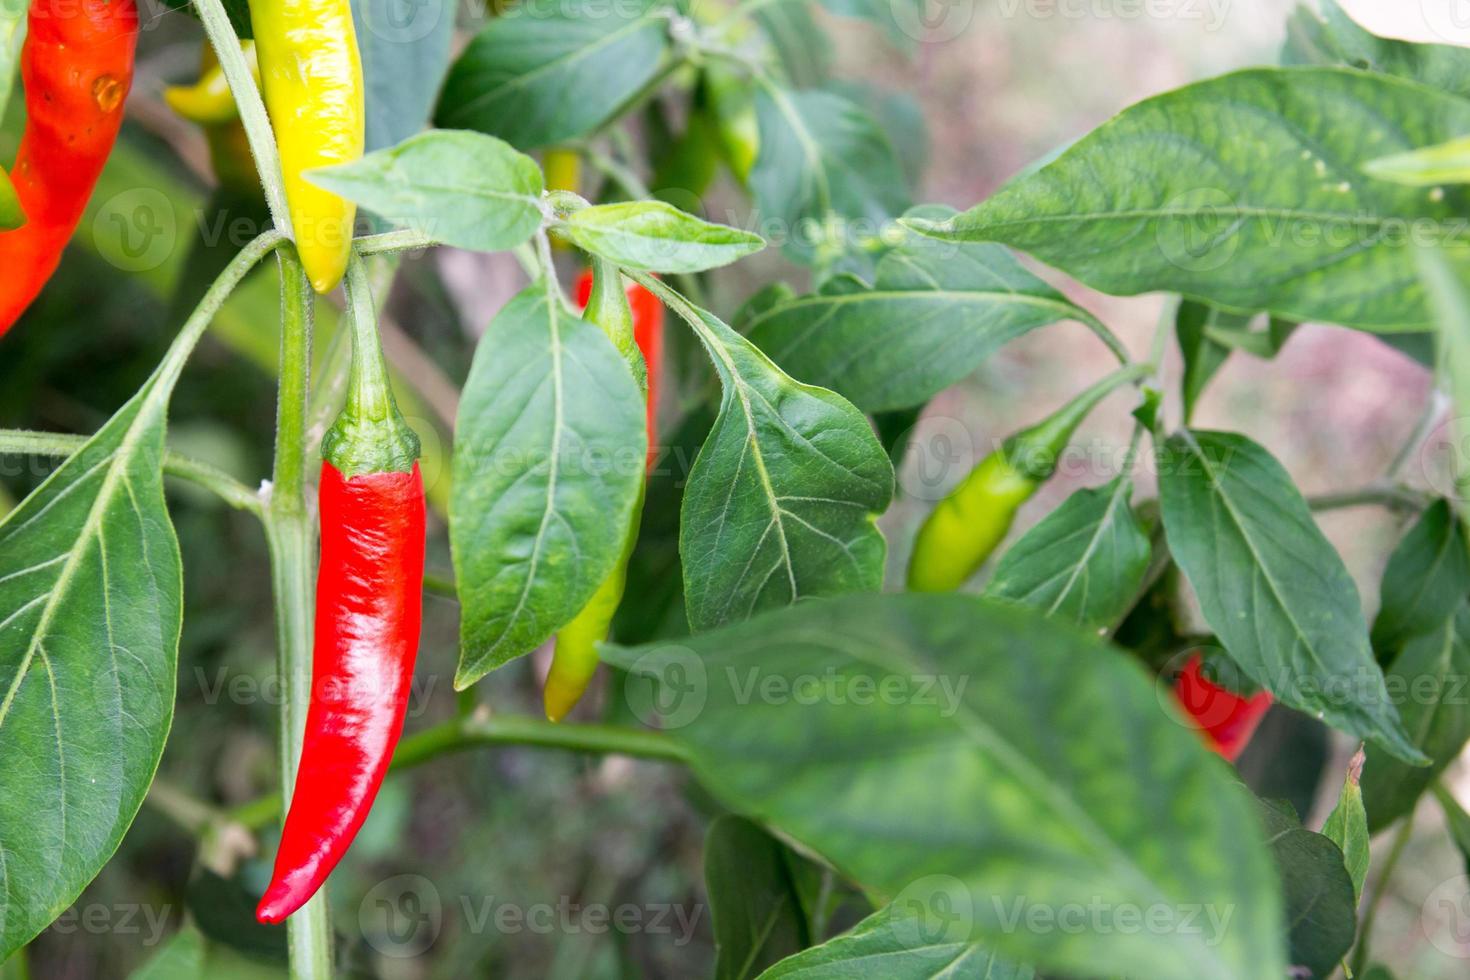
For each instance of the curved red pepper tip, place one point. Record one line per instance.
(1226, 720)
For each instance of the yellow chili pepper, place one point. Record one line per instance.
(312, 79)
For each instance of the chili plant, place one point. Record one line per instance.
(1010, 755)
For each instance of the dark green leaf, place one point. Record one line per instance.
(1426, 580)
(1245, 191)
(464, 189)
(548, 457)
(1321, 909)
(1203, 356)
(946, 747)
(826, 173)
(901, 118)
(898, 944)
(783, 498)
(933, 315)
(1271, 586)
(801, 45)
(405, 51)
(755, 910)
(652, 236)
(1347, 826)
(537, 76)
(1457, 819)
(224, 911)
(1431, 681)
(1334, 39)
(1083, 563)
(90, 591)
(181, 958)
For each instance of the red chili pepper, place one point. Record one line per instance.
(1226, 719)
(369, 600)
(648, 331)
(77, 67)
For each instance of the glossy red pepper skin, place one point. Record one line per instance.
(1226, 720)
(648, 331)
(77, 67)
(368, 610)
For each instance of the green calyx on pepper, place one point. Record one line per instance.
(965, 528)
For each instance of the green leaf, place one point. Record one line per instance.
(652, 236)
(548, 458)
(900, 21)
(1334, 39)
(755, 909)
(934, 314)
(1270, 585)
(90, 593)
(464, 189)
(1347, 826)
(897, 944)
(12, 34)
(900, 116)
(942, 747)
(1245, 191)
(1457, 819)
(783, 497)
(1083, 563)
(536, 76)
(1445, 275)
(1429, 679)
(1321, 907)
(405, 52)
(181, 958)
(1444, 163)
(826, 174)
(801, 45)
(1203, 355)
(1426, 580)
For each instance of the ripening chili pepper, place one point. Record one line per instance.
(1226, 719)
(369, 598)
(563, 170)
(312, 78)
(632, 317)
(966, 526)
(210, 103)
(77, 67)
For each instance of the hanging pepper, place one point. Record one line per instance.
(563, 170)
(312, 77)
(1226, 720)
(369, 596)
(633, 319)
(209, 103)
(77, 67)
(966, 526)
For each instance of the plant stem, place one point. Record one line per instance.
(469, 732)
(1392, 496)
(1370, 911)
(61, 445)
(252, 110)
(1108, 338)
(289, 533)
(393, 241)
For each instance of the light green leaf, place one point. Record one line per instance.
(181, 958)
(1347, 826)
(405, 52)
(549, 451)
(783, 497)
(826, 175)
(90, 611)
(933, 315)
(463, 189)
(1321, 908)
(1429, 678)
(1426, 580)
(12, 34)
(536, 76)
(1445, 163)
(1457, 819)
(652, 236)
(943, 747)
(11, 213)
(755, 909)
(898, 943)
(1334, 39)
(1083, 563)
(1270, 585)
(1245, 191)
